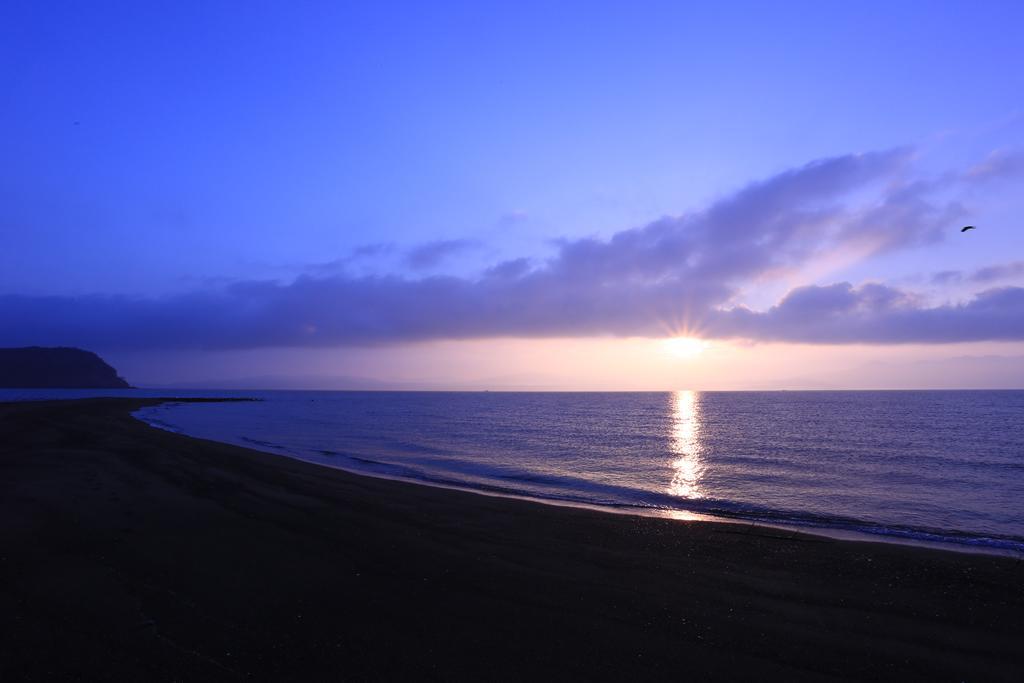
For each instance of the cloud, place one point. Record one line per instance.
(373, 250)
(1003, 271)
(677, 271)
(508, 270)
(999, 164)
(432, 254)
(512, 218)
(360, 253)
(985, 275)
(947, 277)
(876, 314)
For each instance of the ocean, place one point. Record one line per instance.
(942, 467)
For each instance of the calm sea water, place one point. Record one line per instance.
(943, 466)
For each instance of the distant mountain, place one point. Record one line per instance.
(288, 383)
(352, 383)
(36, 367)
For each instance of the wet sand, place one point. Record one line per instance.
(129, 553)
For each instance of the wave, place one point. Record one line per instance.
(589, 492)
(419, 463)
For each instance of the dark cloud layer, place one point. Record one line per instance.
(433, 253)
(643, 281)
(876, 314)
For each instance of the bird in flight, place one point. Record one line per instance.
(967, 227)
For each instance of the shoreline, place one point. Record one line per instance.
(129, 552)
(835, 533)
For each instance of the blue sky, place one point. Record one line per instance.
(181, 159)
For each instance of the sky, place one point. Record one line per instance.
(515, 195)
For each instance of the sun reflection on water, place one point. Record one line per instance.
(688, 465)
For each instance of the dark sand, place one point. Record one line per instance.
(128, 553)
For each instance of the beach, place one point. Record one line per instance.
(131, 553)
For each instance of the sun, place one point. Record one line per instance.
(684, 347)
